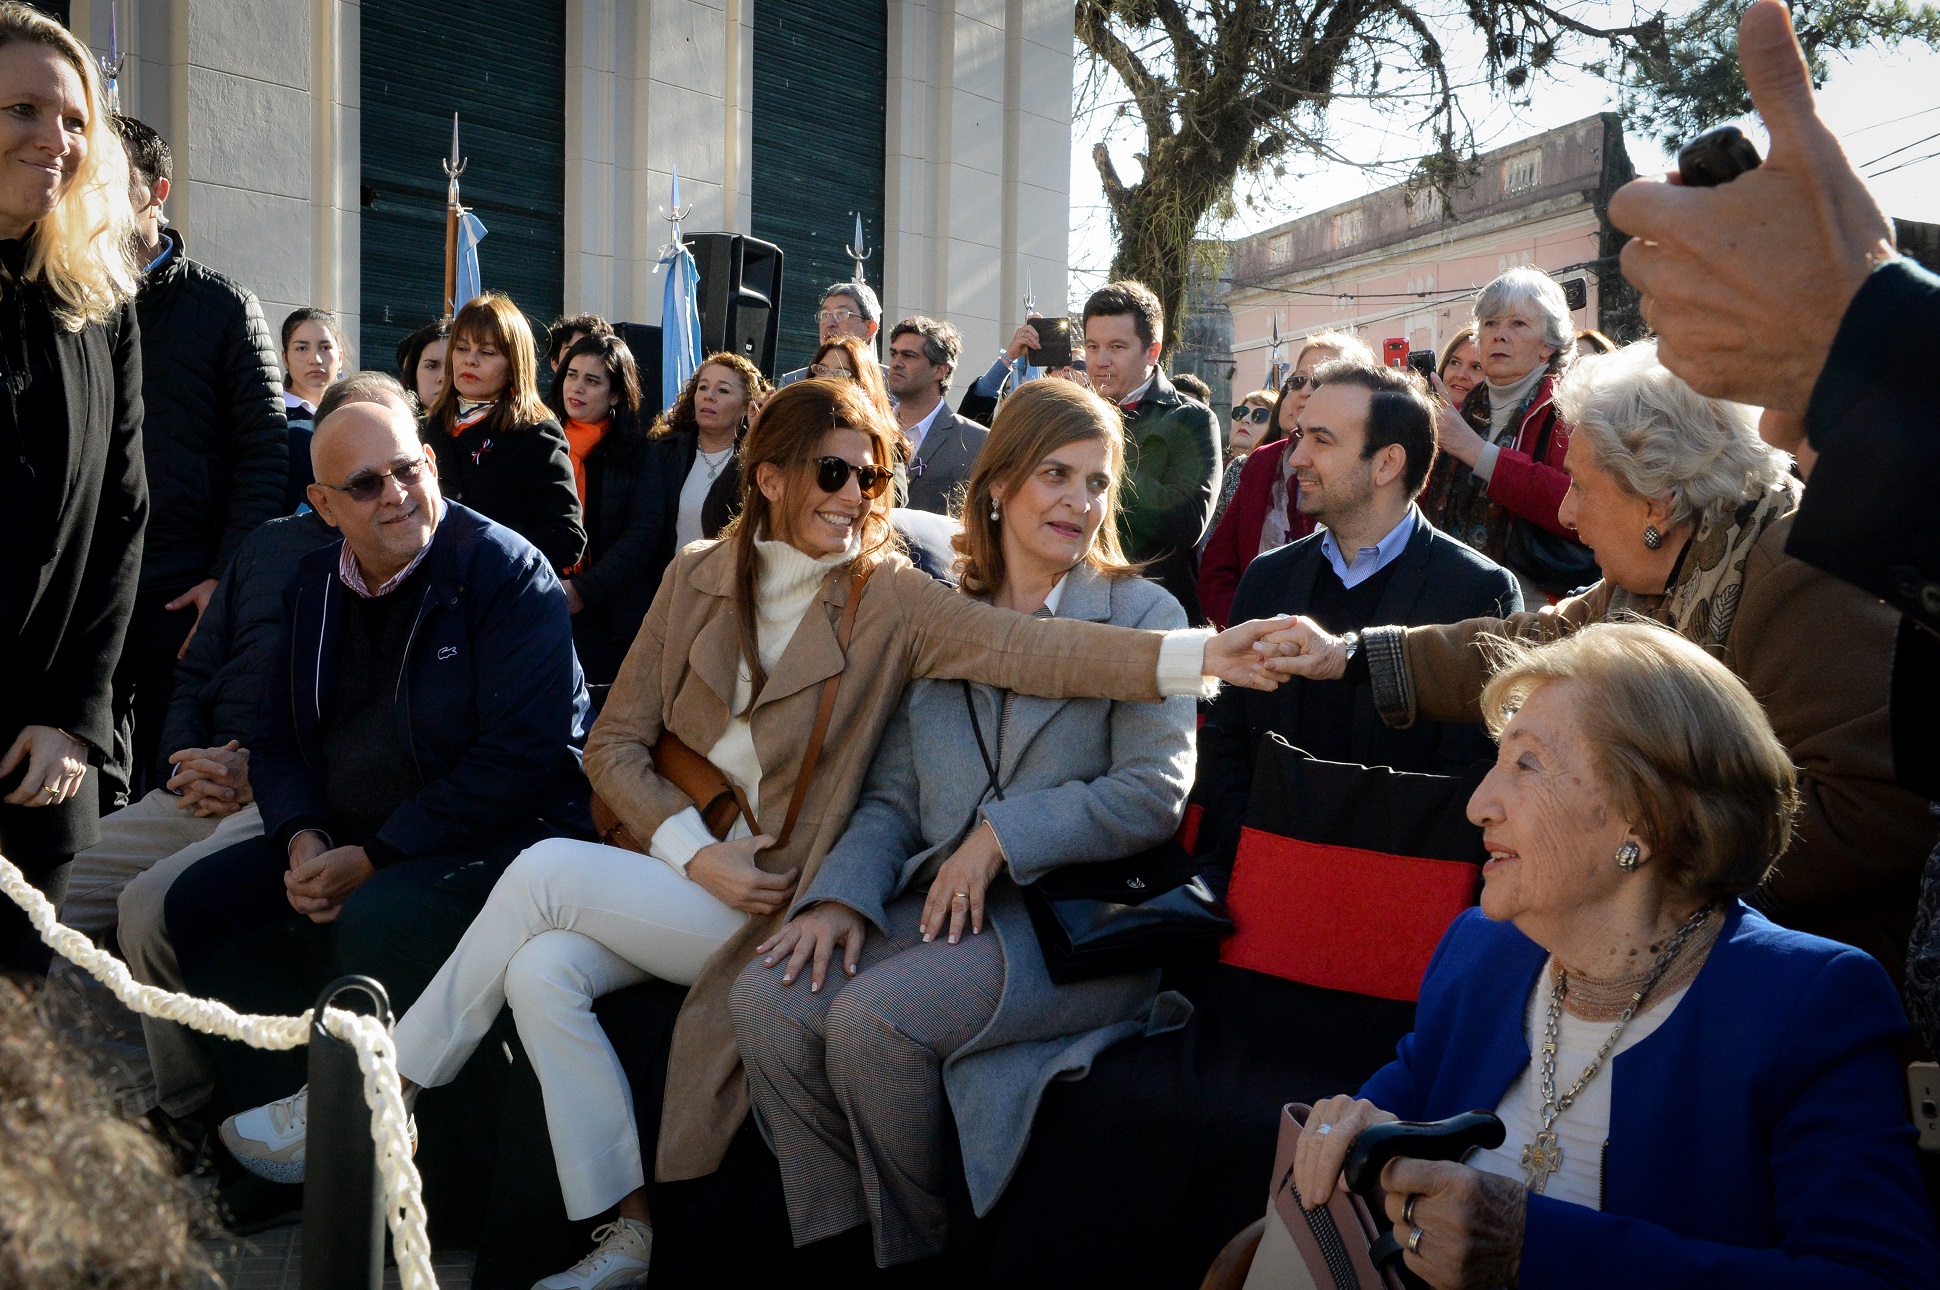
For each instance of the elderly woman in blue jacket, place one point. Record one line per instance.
(1693, 1095)
(909, 973)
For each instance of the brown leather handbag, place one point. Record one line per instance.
(712, 793)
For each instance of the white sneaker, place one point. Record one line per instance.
(619, 1259)
(268, 1141)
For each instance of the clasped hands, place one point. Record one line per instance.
(1471, 1223)
(1266, 651)
(321, 877)
(212, 781)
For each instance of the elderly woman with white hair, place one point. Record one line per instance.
(1501, 478)
(1687, 512)
(1691, 1096)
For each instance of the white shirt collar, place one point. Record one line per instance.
(921, 430)
(1369, 560)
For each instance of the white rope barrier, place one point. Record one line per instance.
(376, 1057)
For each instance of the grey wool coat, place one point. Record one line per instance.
(1084, 779)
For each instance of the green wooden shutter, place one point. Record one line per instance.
(501, 65)
(820, 84)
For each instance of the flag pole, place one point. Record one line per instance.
(453, 168)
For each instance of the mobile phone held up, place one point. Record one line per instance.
(1716, 157)
(1423, 361)
(1053, 343)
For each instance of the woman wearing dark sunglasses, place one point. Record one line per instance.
(740, 661)
(1253, 425)
(1262, 516)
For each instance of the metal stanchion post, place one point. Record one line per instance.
(343, 1213)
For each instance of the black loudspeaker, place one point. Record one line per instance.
(740, 295)
(644, 341)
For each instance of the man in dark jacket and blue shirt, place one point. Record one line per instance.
(215, 445)
(1367, 443)
(421, 728)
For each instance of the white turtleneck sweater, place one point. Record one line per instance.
(1504, 400)
(790, 583)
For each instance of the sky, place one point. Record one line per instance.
(1885, 106)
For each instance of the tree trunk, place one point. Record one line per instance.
(1157, 221)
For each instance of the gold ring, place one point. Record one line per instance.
(50, 790)
(961, 895)
(1414, 1241)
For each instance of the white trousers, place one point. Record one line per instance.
(121, 881)
(568, 922)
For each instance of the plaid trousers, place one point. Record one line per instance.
(847, 1084)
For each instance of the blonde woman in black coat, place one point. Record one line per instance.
(73, 498)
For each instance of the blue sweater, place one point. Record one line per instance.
(1758, 1138)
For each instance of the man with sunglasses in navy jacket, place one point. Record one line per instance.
(421, 727)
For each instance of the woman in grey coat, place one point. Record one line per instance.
(942, 990)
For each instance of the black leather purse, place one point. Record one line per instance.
(1103, 917)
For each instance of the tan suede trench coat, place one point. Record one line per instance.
(680, 676)
(1818, 654)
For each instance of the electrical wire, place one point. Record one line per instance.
(1902, 148)
(1903, 165)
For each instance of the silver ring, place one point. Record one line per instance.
(1414, 1241)
(1323, 1130)
(1408, 1209)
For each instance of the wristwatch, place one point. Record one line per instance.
(1351, 642)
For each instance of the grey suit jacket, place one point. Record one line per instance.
(944, 461)
(1084, 779)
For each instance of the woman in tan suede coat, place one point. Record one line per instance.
(732, 660)
(1688, 513)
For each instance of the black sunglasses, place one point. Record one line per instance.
(832, 473)
(1247, 412)
(1299, 381)
(366, 487)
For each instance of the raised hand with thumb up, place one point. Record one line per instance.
(1745, 283)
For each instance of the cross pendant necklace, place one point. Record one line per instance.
(1540, 1159)
(1543, 1156)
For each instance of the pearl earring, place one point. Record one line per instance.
(1652, 538)
(993, 510)
(1629, 855)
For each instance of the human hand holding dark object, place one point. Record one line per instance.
(811, 938)
(728, 871)
(1330, 1130)
(1793, 239)
(1471, 1222)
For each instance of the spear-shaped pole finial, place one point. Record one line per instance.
(1030, 295)
(454, 167)
(859, 252)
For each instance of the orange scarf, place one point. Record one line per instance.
(581, 438)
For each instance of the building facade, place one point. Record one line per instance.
(1403, 263)
(308, 136)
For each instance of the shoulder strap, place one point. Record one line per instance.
(813, 754)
